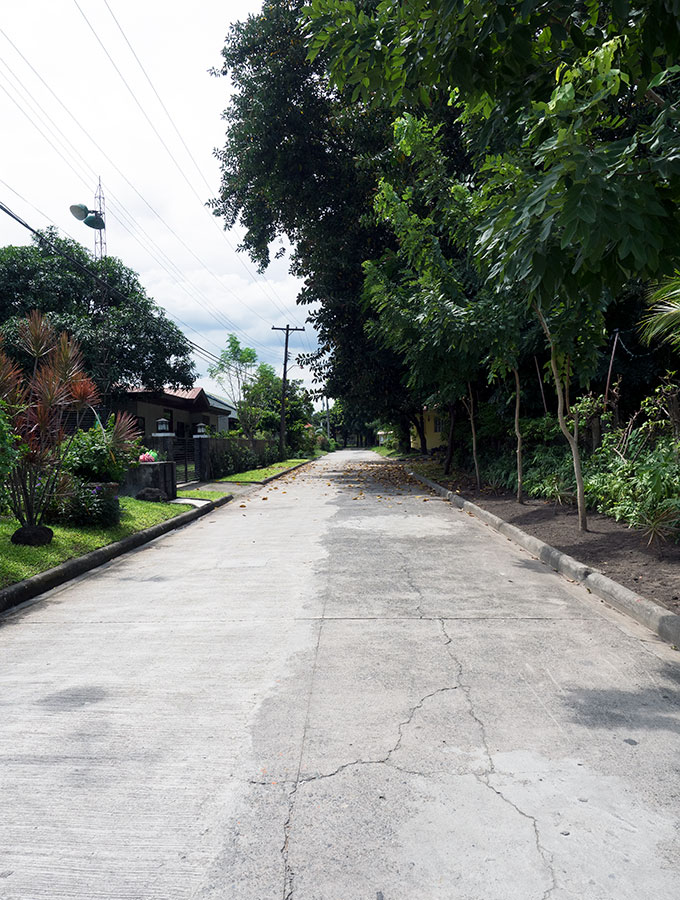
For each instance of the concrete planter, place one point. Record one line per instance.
(161, 475)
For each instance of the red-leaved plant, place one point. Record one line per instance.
(39, 402)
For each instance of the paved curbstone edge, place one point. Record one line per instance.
(287, 471)
(44, 581)
(659, 620)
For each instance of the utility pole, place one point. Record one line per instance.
(282, 433)
(328, 421)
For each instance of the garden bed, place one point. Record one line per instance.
(609, 546)
(70, 541)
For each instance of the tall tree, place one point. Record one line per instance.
(570, 119)
(125, 338)
(299, 162)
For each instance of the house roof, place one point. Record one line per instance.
(196, 399)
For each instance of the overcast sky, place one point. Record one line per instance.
(68, 118)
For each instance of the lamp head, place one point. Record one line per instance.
(80, 211)
(94, 220)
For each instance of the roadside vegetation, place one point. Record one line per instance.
(507, 182)
(200, 495)
(18, 562)
(257, 475)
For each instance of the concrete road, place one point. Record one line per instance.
(335, 688)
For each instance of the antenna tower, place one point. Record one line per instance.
(100, 233)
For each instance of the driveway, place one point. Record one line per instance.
(337, 687)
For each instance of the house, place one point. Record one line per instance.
(436, 429)
(184, 410)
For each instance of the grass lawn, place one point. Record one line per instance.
(254, 475)
(201, 495)
(17, 563)
(384, 451)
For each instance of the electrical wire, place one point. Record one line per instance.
(230, 325)
(163, 143)
(190, 155)
(45, 242)
(224, 323)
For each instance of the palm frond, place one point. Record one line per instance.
(662, 321)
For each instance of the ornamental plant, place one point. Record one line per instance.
(105, 452)
(39, 402)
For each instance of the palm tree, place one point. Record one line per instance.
(662, 321)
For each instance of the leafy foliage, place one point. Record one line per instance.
(125, 339)
(39, 402)
(85, 503)
(104, 452)
(299, 165)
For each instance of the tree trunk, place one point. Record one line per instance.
(404, 435)
(596, 432)
(449, 448)
(572, 439)
(420, 428)
(518, 433)
(540, 384)
(470, 406)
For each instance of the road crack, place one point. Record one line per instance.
(484, 778)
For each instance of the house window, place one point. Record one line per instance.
(180, 429)
(141, 424)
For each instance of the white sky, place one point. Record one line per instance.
(176, 43)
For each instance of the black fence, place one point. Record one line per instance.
(201, 458)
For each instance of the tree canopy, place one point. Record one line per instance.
(299, 161)
(125, 338)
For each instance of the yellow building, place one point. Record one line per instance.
(436, 430)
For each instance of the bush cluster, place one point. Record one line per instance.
(633, 475)
(84, 503)
(96, 454)
(229, 456)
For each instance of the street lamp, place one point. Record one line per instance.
(94, 218)
(91, 217)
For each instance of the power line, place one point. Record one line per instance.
(221, 319)
(271, 293)
(229, 324)
(154, 129)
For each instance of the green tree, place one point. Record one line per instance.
(125, 338)
(570, 121)
(238, 374)
(299, 162)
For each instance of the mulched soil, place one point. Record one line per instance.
(609, 546)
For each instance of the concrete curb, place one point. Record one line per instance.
(659, 620)
(287, 471)
(271, 477)
(29, 588)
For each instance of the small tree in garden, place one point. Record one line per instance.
(38, 404)
(8, 451)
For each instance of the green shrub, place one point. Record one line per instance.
(85, 503)
(633, 488)
(104, 453)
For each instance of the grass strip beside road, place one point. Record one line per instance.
(201, 495)
(18, 562)
(386, 452)
(257, 475)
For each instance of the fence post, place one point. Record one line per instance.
(202, 457)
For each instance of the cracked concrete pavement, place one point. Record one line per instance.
(337, 687)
